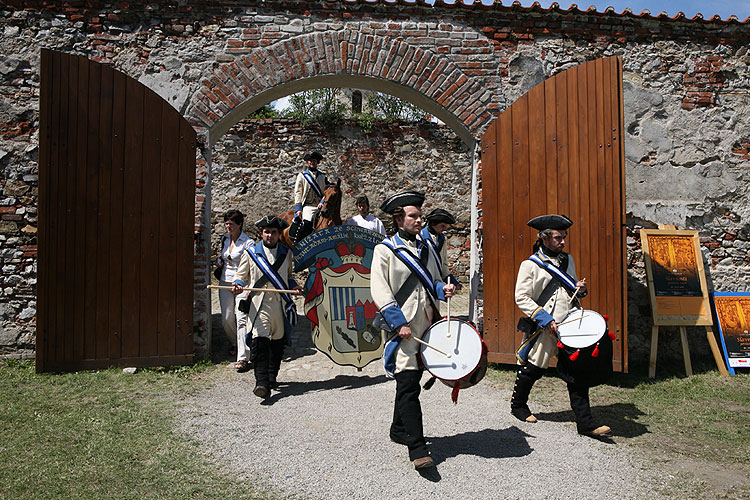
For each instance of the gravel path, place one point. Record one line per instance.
(324, 435)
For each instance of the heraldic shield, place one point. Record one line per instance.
(337, 293)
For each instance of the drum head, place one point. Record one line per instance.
(461, 341)
(582, 328)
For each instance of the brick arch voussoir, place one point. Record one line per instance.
(349, 52)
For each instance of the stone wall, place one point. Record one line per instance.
(256, 162)
(687, 93)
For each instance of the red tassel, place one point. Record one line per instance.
(574, 356)
(560, 345)
(454, 392)
(611, 334)
(595, 353)
(606, 318)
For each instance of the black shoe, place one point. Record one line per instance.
(261, 391)
(523, 414)
(423, 462)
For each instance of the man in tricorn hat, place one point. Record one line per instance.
(438, 221)
(308, 196)
(545, 287)
(405, 285)
(266, 317)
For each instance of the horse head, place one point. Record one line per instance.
(332, 200)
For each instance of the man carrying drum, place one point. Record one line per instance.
(438, 221)
(543, 294)
(405, 285)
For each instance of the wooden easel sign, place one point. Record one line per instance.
(677, 288)
(733, 320)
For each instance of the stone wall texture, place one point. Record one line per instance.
(687, 94)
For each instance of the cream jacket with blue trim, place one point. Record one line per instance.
(387, 276)
(304, 194)
(530, 283)
(249, 273)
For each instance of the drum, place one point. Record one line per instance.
(459, 357)
(581, 329)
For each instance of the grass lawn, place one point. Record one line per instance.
(109, 435)
(696, 427)
(102, 435)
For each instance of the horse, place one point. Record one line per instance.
(328, 216)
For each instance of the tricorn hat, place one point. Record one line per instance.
(405, 199)
(313, 155)
(550, 221)
(439, 215)
(272, 221)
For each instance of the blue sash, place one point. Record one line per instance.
(313, 183)
(427, 238)
(259, 257)
(412, 263)
(568, 282)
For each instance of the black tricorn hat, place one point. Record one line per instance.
(550, 221)
(272, 221)
(405, 199)
(312, 155)
(439, 215)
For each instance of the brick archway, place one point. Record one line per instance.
(339, 59)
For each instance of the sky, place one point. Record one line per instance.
(724, 8)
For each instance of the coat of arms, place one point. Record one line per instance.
(337, 299)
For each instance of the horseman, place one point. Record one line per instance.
(308, 196)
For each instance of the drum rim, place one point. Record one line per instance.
(481, 343)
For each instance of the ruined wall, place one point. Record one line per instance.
(687, 86)
(256, 162)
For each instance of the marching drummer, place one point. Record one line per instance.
(438, 221)
(405, 285)
(547, 291)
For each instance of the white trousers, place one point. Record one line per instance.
(230, 318)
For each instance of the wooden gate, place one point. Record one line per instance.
(558, 149)
(116, 216)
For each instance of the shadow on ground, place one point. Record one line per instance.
(344, 382)
(487, 443)
(621, 417)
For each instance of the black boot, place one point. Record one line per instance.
(527, 375)
(581, 406)
(305, 229)
(261, 354)
(277, 354)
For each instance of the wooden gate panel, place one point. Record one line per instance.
(113, 158)
(558, 149)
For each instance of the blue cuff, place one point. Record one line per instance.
(439, 289)
(297, 208)
(292, 283)
(542, 317)
(239, 282)
(582, 294)
(452, 279)
(393, 316)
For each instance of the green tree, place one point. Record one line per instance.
(318, 106)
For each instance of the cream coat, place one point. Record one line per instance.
(266, 315)
(304, 194)
(388, 273)
(530, 283)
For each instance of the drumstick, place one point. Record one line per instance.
(572, 320)
(249, 289)
(576, 292)
(447, 355)
(449, 317)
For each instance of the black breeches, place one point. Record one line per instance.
(407, 414)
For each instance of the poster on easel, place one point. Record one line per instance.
(733, 319)
(676, 278)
